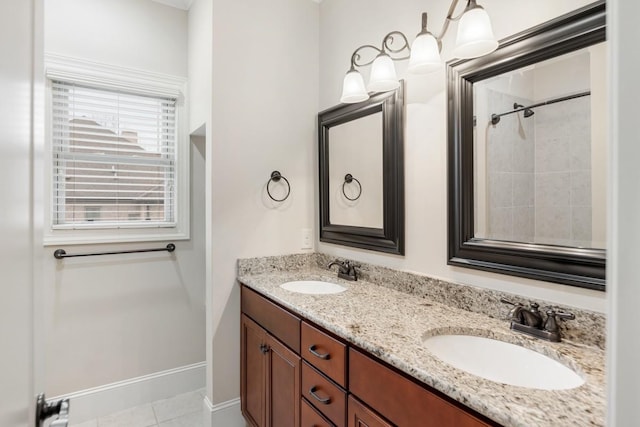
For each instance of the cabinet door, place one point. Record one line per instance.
(361, 416)
(283, 385)
(253, 372)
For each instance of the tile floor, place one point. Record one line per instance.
(183, 410)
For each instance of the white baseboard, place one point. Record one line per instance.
(104, 400)
(225, 414)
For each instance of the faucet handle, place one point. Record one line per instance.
(515, 314)
(506, 301)
(346, 267)
(560, 314)
(551, 324)
(350, 265)
(565, 315)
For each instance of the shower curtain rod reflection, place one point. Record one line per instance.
(495, 118)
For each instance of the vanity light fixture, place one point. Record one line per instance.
(475, 38)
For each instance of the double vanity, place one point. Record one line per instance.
(397, 349)
(525, 198)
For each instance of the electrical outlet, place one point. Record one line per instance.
(306, 235)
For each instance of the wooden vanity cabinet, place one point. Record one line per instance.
(310, 417)
(253, 373)
(361, 416)
(324, 373)
(325, 353)
(402, 401)
(270, 379)
(276, 320)
(327, 397)
(270, 363)
(294, 374)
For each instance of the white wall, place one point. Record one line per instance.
(265, 100)
(200, 62)
(117, 317)
(199, 59)
(16, 220)
(130, 33)
(623, 341)
(425, 136)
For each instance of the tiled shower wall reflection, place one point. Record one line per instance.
(510, 168)
(539, 172)
(563, 173)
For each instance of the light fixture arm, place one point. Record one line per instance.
(355, 57)
(388, 40)
(471, 4)
(475, 38)
(386, 47)
(387, 44)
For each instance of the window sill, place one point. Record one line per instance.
(111, 236)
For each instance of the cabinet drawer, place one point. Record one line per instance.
(325, 353)
(361, 416)
(400, 400)
(327, 397)
(279, 322)
(310, 417)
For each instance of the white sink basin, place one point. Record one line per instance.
(313, 287)
(503, 362)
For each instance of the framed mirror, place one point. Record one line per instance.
(527, 154)
(362, 173)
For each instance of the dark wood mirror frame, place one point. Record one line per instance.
(567, 265)
(389, 238)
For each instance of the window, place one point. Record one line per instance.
(114, 151)
(92, 213)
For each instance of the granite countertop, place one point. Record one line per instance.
(392, 325)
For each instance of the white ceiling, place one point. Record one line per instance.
(186, 4)
(180, 4)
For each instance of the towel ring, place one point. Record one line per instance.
(348, 179)
(275, 177)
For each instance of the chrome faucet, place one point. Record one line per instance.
(346, 269)
(530, 321)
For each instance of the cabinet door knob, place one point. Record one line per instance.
(312, 350)
(323, 400)
(264, 348)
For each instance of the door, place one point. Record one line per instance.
(269, 379)
(16, 218)
(253, 377)
(283, 385)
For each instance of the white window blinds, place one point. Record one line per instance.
(114, 158)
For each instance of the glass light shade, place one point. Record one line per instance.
(353, 89)
(425, 55)
(383, 74)
(475, 35)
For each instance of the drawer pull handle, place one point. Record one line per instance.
(313, 351)
(324, 401)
